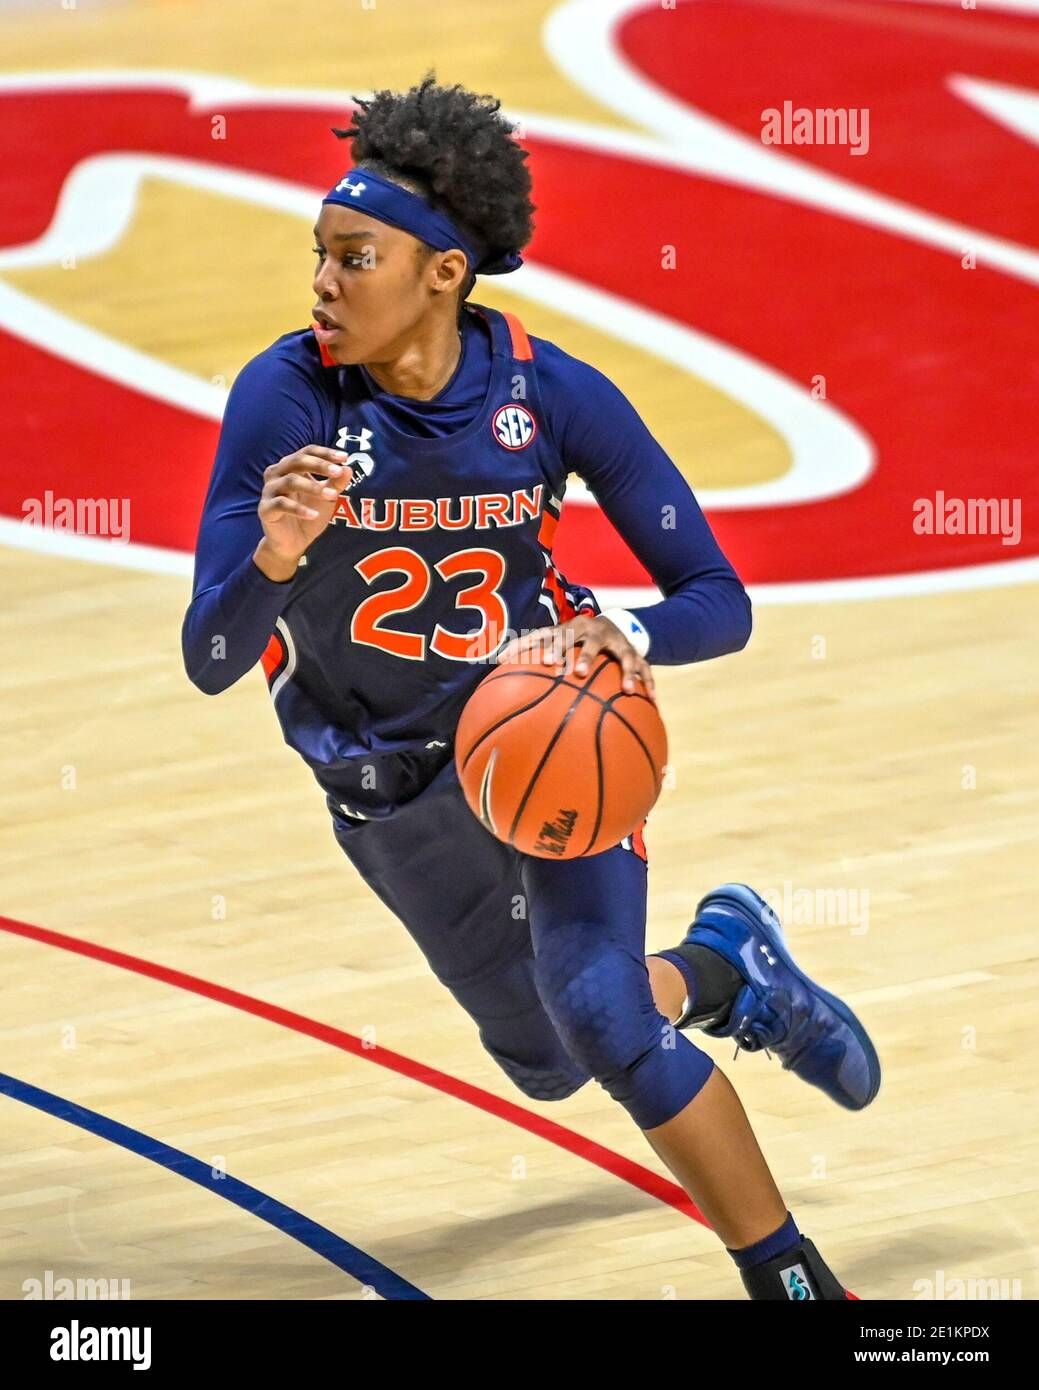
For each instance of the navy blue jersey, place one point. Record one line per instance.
(439, 550)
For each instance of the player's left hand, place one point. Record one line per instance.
(576, 642)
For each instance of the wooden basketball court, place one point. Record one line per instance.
(193, 967)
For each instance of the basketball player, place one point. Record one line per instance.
(377, 532)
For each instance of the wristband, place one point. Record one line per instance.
(632, 628)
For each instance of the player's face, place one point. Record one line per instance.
(371, 286)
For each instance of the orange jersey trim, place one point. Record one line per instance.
(521, 349)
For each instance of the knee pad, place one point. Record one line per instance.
(600, 1000)
(516, 1030)
(540, 1082)
(661, 1083)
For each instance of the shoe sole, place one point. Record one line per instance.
(771, 928)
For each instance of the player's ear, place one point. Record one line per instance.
(450, 271)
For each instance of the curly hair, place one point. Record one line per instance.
(454, 149)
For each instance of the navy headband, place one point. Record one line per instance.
(388, 202)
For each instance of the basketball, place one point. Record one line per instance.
(560, 765)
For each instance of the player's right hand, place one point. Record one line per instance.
(294, 506)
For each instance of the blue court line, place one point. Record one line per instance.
(292, 1223)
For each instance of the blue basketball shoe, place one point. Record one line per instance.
(778, 1008)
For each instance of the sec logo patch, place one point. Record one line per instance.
(514, 426)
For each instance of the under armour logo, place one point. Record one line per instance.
(768, 956)
(363, 440)
(361, 461)
(356, 189)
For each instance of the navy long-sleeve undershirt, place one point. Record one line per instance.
(276, 406)
(706, 611)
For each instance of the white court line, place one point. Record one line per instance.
(1025, 7)
(18, 535)
(909, 585)
(1015, 107)
(156, 560)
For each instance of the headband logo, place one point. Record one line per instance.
(356, 189)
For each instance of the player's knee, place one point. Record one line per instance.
(542, 1082)
(661, 1083)
(602, 1007)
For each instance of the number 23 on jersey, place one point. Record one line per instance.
(483, 595)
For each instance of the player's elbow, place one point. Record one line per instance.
(204, 670)
(744, 617)
(206, 680)
(205, 677)
(734, 618)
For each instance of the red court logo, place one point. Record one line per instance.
(881, 326)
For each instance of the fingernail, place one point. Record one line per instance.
(335, 468)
